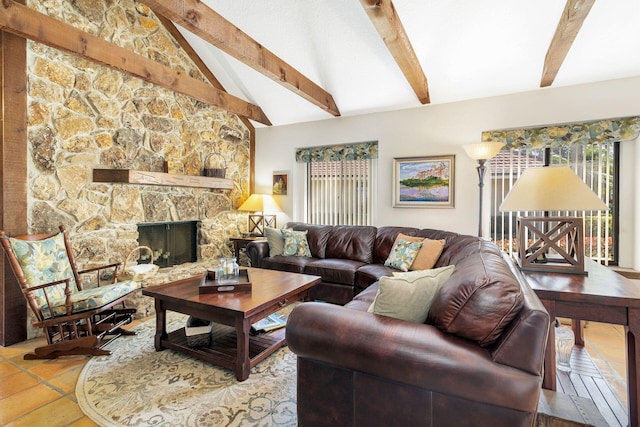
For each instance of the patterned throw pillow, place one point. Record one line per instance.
(402, 254)
(429, 253)
(295, 243)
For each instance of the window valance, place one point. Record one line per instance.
(615, 130)
(333, 153)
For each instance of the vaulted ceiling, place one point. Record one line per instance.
(291, 61)
(466, 49)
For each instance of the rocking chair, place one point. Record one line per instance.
(75, 320)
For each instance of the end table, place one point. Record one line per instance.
(242, 242)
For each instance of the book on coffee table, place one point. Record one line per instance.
(269, 323)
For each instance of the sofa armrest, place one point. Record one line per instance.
(411, 353)
(257, 251)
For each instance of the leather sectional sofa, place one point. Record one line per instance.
(348, 258)
(477, 360)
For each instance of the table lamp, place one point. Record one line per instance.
(482, 151)
(260, 203)
(551, 243)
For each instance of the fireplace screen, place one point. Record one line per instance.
(172, 243)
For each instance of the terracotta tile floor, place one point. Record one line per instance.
(37, 393)
(42, 392)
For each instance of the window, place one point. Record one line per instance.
(591, 149)
(341, 183)
(596, 164)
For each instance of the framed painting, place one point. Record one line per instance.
(280, 183)
(424, 182)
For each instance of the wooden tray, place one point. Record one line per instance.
(214, 286)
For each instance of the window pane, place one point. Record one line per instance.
(594, 163)
(340, 192)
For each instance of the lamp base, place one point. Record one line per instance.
(257, 223)
(551, 244)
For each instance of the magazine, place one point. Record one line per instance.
(269, 323)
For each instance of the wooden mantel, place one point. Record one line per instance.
(128, 176)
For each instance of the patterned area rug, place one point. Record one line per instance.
(137, 386)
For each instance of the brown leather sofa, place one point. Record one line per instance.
(348, 258)
(476, 361)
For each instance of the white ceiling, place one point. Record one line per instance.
(467, 48)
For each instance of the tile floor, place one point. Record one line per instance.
(37, 393)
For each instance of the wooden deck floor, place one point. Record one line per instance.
(585, 380)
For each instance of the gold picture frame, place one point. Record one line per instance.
(424, 182)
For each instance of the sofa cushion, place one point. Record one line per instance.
(371, 273)
(317, 236)
(334, 270)
(385, 239)
(480, 298)
(292, 264)
(403, 254)
(351, 242)
(408, 296)
(458, 248)
(275, 239)
(364, 299)
(295, 243)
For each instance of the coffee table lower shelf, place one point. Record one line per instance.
(223, 349)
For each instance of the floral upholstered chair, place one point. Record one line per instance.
(75, 320)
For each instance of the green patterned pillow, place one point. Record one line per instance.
(44, 261)
(295, 243)
(402, 254)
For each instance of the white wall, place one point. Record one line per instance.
(443, 129)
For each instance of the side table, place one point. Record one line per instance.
(601, 296)
(242, 242)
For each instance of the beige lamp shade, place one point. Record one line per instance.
(551, 188)
(483, 150)
(260, 203)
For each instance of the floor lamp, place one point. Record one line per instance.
(481, 152)
(260, 203)
(551, 243)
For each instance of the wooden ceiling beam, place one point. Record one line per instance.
(573, 16)
(207, 24)
(24, 22)
(384, 17)
(190, 51)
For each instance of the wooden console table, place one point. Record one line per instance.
(601, 296)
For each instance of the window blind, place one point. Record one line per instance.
(341, 183)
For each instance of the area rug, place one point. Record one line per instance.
(137, 386)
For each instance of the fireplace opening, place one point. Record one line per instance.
(172, 243)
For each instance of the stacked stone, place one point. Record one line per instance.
(83, 116)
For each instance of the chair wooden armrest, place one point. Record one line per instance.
(116, 266)
(68, 303)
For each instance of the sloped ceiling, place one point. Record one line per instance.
(467, 49)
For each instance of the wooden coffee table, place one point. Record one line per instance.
(232, 345)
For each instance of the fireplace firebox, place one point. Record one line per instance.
(172, 243)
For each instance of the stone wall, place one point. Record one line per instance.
(82, 116)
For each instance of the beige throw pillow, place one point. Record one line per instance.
(275, 239)
(429, 252)
(408, 296)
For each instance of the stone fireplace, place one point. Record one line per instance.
(83, 116)
(171, 243)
